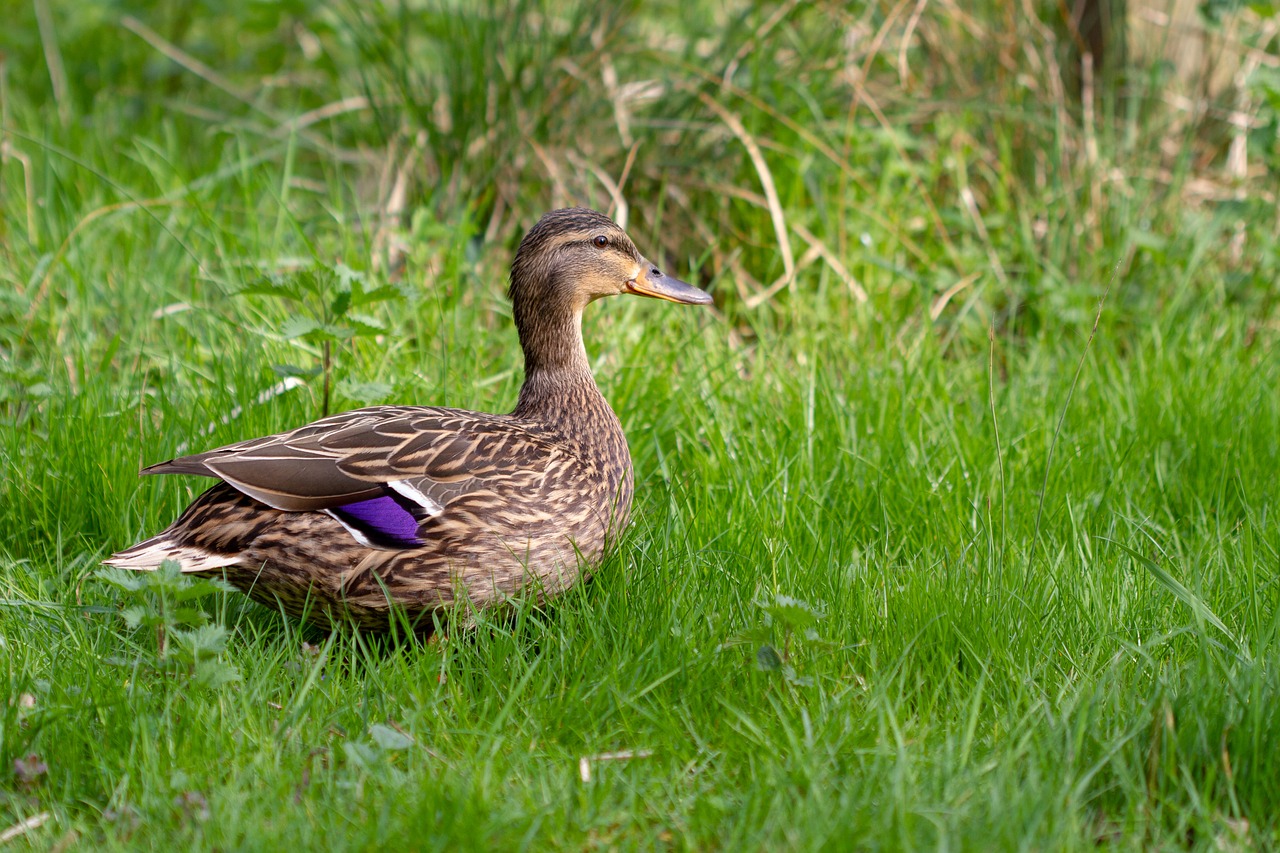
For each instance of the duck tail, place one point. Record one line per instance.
(147, 556)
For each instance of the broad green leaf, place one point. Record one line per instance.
(388, 738)
(363, 325)
(130, 581)
(793, 613)
(339, 331)
(312, 281)
(378, 294)
(340, 303)
(138, 615)
(203, 640)
(185, 616)
(364, 392)
(214, 673)
(297, 326)
(277, 286)
(348, 279)
(362, 755)
(768, 659)
(197, 587)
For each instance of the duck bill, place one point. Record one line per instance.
(654, 284)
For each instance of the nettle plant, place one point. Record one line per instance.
(162, 603)
(325, 305)
(787, 622)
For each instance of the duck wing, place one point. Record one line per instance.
(382, 471)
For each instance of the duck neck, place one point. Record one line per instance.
(557, 374)
(552, 340)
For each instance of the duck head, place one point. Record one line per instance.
(569, 259)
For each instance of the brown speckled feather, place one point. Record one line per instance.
(481, 506)
(350, 456)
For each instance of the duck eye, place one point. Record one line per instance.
(601, 241)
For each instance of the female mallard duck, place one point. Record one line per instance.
(417, 508)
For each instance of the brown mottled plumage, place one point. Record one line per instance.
(422, 507)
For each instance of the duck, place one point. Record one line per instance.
(414, 510)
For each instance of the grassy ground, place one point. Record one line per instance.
(956, 520)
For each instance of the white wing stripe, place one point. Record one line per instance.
(428, 505)
(355, 534)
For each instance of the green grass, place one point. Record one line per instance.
(1038, 517)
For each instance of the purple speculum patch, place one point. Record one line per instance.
(382, 520)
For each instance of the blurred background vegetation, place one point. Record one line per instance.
(962, 166)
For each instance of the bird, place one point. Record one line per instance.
(414, 510)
